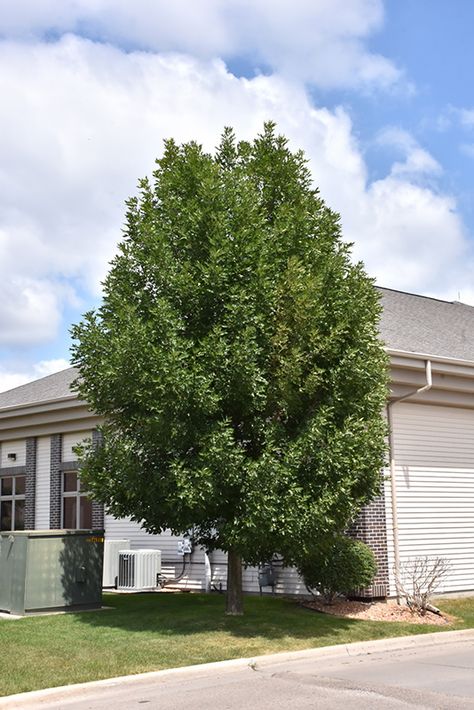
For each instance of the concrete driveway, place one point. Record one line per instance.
(432, 671)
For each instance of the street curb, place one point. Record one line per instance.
(36, 698)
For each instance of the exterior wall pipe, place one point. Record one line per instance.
(207, 572)
(393, 484)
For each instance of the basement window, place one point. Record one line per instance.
(76, 506)
(12, 503)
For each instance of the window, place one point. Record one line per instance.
(77, 507)
(12, 503)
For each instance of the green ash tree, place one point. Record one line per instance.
(235, 359)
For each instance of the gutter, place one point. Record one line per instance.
(393, 485)
(40, 403)
(428, 357)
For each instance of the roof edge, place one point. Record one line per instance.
(427, 356)
(422, 295)
(40, 403)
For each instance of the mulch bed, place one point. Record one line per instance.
(377, 611)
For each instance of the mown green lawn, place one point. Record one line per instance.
(153, 631)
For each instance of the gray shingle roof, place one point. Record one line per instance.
(409, 322)
(426, 325)
(54, 386)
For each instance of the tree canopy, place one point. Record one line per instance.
(235, 356)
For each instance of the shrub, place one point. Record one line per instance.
(418, 580)
(338, 567)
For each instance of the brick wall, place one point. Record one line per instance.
(97, 508)
(97, 515)
(370, 527)
(55, 482)
(30, 483)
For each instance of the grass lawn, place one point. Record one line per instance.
(153, 631)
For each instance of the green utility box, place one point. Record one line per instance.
(50, 570)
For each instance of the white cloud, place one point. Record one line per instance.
(320, 41)
(48, 367)
(408, 233)
(29, 310)
(414, 240)
(86, 120)
(417, 161)
(9, 380)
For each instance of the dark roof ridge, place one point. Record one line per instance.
(421, 295)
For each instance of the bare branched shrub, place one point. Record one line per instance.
(418, 580)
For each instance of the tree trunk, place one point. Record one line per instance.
(234, 601)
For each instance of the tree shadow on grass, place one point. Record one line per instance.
(189, 614)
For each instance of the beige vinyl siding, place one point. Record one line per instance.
(126, 529)
(288, 581)
(434, 455)
(70, 441)
(17, 447)
(43, 474)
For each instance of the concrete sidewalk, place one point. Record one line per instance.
(66, 696)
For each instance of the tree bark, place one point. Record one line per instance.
(234, 600)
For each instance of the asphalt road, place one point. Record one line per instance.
(438, 676)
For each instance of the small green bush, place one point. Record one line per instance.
(338, 567)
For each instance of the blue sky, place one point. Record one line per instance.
(377, 93)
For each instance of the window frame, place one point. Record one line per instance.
(76, 494)
(13, 498)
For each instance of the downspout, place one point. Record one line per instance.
(393, 485)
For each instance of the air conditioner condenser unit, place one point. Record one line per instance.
(139, 569)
